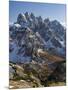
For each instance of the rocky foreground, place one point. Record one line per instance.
(34, 74)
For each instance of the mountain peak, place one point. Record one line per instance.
(21, 18)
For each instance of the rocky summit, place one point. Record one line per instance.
(37, 52)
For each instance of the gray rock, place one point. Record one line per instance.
(11, 72)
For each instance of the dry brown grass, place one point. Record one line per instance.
(51, 57)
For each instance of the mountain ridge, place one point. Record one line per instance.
(50, 33)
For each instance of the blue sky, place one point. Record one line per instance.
(46, 10)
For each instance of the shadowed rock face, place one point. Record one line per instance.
(36, 50)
